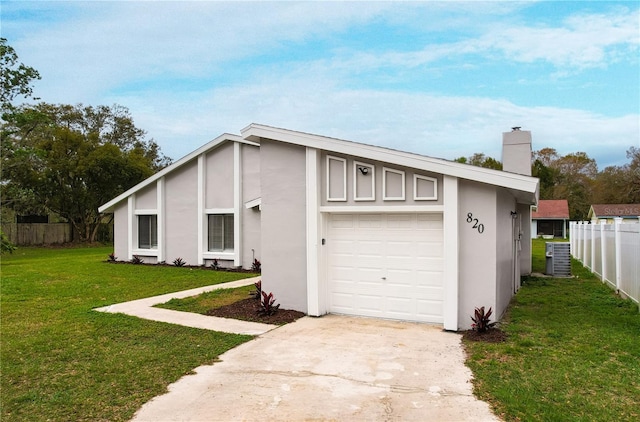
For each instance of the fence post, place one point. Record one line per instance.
(618, 221)
(572, 251)
(593, 247)
(603, 250)
(584, 241)
(577, 241)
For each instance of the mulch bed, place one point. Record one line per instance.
(494, 335)
(247, 310)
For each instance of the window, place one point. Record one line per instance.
(220, 232)
(148, 231)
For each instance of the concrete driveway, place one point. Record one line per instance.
(333, 368)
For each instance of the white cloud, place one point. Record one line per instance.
(121, 52)
(583, 41)
(438, 126)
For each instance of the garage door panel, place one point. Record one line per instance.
(428, 293)
(430, 249)
(429, 279)
(366, 221)
(386, 265)
(369, 275)
(429, 221)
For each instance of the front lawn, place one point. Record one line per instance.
(61, 361)
(572, 353)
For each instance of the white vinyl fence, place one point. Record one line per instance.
(611, 251)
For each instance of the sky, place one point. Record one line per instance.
(442, 79)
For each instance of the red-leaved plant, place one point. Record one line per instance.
(481, 320)
(257, 293)
(267, 304)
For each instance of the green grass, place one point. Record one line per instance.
(61, 361)
(204, 302)
(572, 353)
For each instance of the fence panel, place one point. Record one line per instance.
(612, 251)
(28, 234)
(630, 257)
(610, 259)
(597, 253)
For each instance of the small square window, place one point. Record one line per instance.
(221, 235)
(148, 231)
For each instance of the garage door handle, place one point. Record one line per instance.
(384, 278)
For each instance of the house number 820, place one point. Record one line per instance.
(476, 225)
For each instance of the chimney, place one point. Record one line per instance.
(516, 151)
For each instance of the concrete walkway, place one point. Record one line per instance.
(332, 368)
(143, 308)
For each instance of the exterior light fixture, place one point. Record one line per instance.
(364, 170)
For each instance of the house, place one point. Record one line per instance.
(629, 213)
(550, 218)
(339, 226)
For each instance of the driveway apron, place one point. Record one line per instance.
(333, 368)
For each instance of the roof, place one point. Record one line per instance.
(551, 209)
(614, 210)
(524, 188)
(225, 137)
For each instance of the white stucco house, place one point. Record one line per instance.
(342, 227)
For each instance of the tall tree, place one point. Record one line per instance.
(15, 77)
(71, 159)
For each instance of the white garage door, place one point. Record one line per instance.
(386, 266)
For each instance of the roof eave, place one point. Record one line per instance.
(527, 186)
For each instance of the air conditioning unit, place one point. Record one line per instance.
(558, 255)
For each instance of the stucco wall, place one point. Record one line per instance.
(506, 204)
(284, 223)
(409, 180)
(120, 232)
(525, 242)
(146, 199)
(181, 224)
(219, 179)
(477, 251)
(250, 217)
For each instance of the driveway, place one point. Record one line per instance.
(333, 368)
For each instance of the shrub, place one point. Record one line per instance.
(137, 260)
(215, 265)
(5, 244)
(257, 293)
(481, 320)
(179, 262)
(256, 267)
(267, 304)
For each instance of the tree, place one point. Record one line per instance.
(72, 159)
(15, 78)
(480, 160)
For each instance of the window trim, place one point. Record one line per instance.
(147, 213)
(371, 174)
(224, 252)
(329, 177)
(385, 197)
(417, 177)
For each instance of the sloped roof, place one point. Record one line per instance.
(551, 209)
(615, 210)
(524, 188)
(225, 137)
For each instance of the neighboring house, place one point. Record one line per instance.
(550, 218)
(630, 213)
(342, 227)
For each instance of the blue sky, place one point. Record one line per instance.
(443, 79)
